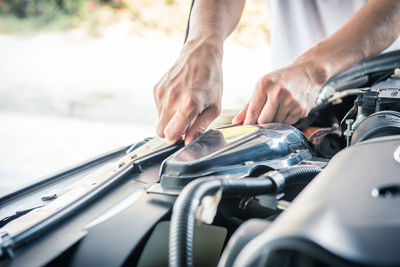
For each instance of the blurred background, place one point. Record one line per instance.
(76, 76)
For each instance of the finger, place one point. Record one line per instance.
(200, 124)
(165, 116)
(257, 101)
(167, 109)
(158, 93)
(176, 127)
(255, 107)
(294, 116)
(287, 105)
(159, 110)
(291, 119)
(281, 114)
(241, 115)
(179, 123)
(269, 110)
(159, 106)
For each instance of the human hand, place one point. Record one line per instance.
(188, 96)
(285, 95)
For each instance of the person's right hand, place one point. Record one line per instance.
(188, 96)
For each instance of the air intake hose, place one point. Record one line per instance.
(292, 176)
(184, 210)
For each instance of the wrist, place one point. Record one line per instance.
(213, 44)
(317, 73)
(318, 67)
(328, 59)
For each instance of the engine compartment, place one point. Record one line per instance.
(323, 192)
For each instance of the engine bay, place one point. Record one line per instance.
(323, 192)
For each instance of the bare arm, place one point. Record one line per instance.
(370, 31)
(288, 94)
(188, 96)
(214, 19)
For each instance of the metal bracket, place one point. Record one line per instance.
(6, 246)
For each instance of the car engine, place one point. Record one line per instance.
(323, 192)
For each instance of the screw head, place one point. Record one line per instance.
(349, 121)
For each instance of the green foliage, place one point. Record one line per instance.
(40, 8)
(49, 8)
(11, 24)
(19, 16)
(144, 17)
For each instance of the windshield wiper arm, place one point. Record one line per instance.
(17, 214)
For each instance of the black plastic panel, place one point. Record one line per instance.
(235, 151)
(349, 210)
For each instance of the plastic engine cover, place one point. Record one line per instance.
(235, 151)
(350, 210)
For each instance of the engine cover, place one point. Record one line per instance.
(350, 210)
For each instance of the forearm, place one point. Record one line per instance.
(212, 21)
(188, 96)
(370, 31)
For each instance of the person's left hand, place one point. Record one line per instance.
(285, 95)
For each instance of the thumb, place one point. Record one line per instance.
(241, 115)
(201, 123)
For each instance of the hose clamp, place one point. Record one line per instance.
(278, 179)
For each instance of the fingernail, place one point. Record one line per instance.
(187, 142)
(196, 135)
(237, 121)
(234, 120)
(160, 133)
(170, 141)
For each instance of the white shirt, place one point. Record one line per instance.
(298, 25)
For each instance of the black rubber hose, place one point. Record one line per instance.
(299, 174)
(184, 211)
